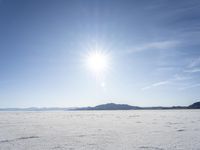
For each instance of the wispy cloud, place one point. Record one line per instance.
(193, 66)
(193, 70)
(190, 86)
(161, 83)
(154, 45)
(165, 68)
(178, 77)
(194, 62)
(175, 78)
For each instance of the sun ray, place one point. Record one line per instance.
(97, 62)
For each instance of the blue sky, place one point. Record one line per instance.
(153, 46)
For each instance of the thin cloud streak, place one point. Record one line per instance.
(193, 66)
(175, 78)
(190, 87)
(195, 63)
(181, 78)
(154, 45)
(195, 70)
(161, 83)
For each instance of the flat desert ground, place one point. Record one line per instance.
(101, 130)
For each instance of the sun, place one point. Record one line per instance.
(97, 62)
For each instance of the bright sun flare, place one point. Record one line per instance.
(97, 62)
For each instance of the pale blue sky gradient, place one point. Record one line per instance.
(154, 49)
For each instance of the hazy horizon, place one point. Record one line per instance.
(68, 53)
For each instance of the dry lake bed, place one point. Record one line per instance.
(101, 130)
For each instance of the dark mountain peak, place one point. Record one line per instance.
(195, 105)
(111, 106)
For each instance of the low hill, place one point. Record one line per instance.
(195, 106)
(110, 106)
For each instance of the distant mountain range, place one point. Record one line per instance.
(35, 109)
(113, 106)
(108, 106)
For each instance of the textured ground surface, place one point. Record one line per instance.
(101, 130)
